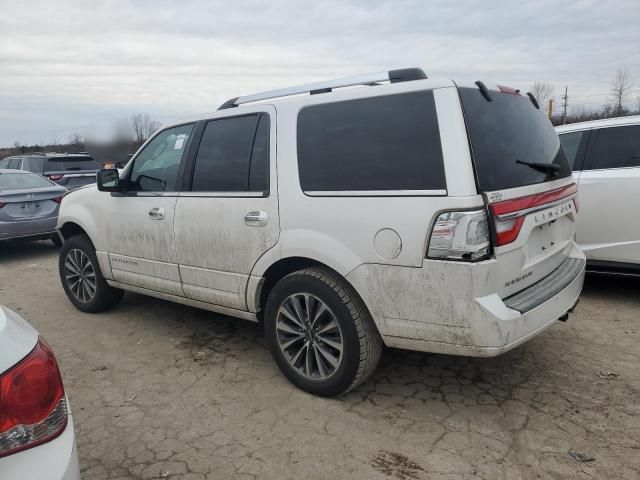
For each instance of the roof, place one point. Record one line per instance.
(605, 122)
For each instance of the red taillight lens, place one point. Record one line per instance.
(33, 409)
(57, 199)
(2, 204)
(509, 215)
(55, 178)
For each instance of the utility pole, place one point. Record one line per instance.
(565, 97)
(550, 108)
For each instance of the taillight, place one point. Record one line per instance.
(57, 199)
(460, 236)
(2, 204)
(55, 178)
(33, 408)
(509, 215)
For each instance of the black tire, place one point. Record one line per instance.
(104, 296)
(55, 239)
(361, 342)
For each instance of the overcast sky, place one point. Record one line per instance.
(69, 67)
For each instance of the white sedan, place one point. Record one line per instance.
(37, 440)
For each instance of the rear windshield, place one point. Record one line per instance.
(505, 130)
(17, 181)
(72, 163)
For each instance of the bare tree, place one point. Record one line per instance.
(55, 140)
(143, 127)
(543, 92)
(620, 90)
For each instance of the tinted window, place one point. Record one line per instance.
(382, 143)
(156, 167)
(617, 147)
(72, 163)
(571, 143)
(228, 158)
(507, 129)
(15, 181)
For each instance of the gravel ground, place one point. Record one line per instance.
(161, 390)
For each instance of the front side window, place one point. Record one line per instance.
(371, 144)
(617, 147)
(155, 169)
(571, 143)
(233, 155)
(5, 163)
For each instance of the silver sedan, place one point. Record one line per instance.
(29, 206)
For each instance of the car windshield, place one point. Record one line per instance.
(18, 181)
(512, 142)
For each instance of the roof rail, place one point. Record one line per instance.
(393, 76)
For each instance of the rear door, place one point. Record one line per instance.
(610, 195)
(228, 217)
(522, 171)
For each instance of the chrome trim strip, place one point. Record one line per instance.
(377, 193)
(223, 194)
(527, 211)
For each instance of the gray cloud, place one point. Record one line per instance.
(67, 65)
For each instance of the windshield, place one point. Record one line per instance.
(72, 163)
(18, 181)
(507, 133)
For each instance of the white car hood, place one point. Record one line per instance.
(17, 338)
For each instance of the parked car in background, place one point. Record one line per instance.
(605, 158)
(408, 212)
(71, 170)
(29, 206)
(37, 441)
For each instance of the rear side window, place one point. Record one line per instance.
(57, 164)
(233, 155)
(617, 147)
(506, 130)
(571, 144)
(371, 144)
(16, 181)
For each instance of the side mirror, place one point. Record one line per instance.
(108, 180)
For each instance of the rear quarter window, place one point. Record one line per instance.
(372, 144)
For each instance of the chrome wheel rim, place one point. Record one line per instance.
(80, 275)
(309, 336)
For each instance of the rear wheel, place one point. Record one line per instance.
(320, 333)
(82, 279)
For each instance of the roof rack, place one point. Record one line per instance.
(393, 76)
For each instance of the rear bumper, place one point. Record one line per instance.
(54, 460)
(443, 307)
(28, 228)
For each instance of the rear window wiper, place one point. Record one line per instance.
(541, 167)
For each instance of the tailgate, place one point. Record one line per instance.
(533, 232)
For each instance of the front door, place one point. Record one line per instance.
(609, 194)
(140, 239)
(229, 216)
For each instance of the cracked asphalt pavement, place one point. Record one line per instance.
(160, 390)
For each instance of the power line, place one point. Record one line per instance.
(565, 99)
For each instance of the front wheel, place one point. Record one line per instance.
(82, 279)
(320, 333)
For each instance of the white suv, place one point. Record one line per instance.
(401, 211)
(605, 157)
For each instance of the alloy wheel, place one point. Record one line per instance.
(309, 336)
(80, 275)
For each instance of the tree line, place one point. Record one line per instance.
(138, 128)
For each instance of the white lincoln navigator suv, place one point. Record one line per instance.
(385, 209)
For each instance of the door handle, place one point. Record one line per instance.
(256, 219)
(156, 213)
